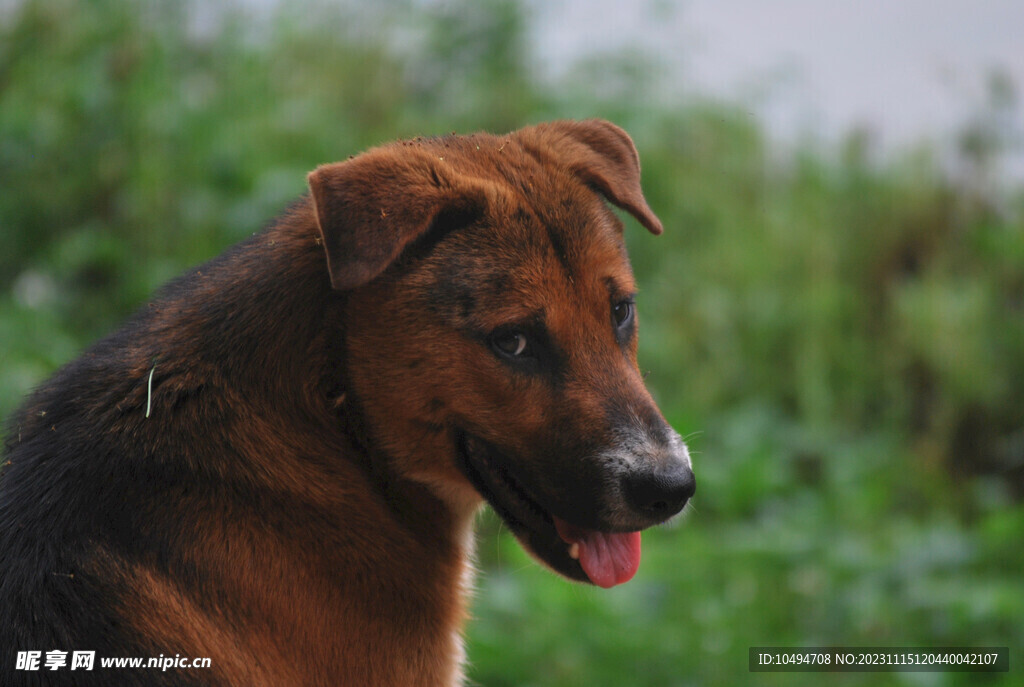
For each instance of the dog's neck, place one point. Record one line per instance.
(293, 431)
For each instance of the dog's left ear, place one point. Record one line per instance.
(603, 156)
(372, 206)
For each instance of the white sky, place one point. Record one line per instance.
(907, 68)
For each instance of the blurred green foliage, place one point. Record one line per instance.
(842, 337)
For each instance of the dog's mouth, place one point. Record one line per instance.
(602, 558)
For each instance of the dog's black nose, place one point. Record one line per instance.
(661, 493)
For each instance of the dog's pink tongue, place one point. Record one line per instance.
(608, 559)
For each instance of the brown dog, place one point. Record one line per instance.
(276, 464)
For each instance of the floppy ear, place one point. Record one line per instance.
(603, 156)
(372, 206)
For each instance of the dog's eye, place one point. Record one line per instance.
(622, 313)
(510, 344)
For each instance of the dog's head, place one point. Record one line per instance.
(491, 343)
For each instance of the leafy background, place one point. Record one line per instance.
(839, 334)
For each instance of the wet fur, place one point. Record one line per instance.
(291, 506)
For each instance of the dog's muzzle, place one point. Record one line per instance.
(652, 478)
(641, 487)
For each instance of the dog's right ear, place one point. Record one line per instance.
(603, 156)
(372, 206)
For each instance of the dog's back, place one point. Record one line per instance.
(177, 491)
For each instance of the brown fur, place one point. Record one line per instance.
(298, 505)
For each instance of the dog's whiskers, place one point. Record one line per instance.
(691, 435)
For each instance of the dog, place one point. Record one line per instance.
(276, 464)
